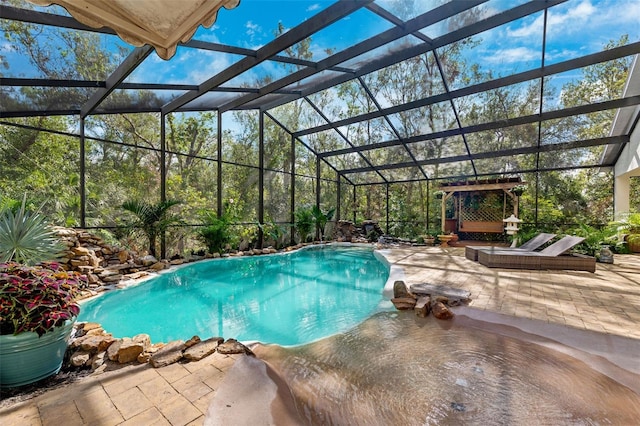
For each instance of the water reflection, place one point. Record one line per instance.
(397, 369)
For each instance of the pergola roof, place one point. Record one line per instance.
(393, 38)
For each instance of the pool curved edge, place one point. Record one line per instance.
(396, 273)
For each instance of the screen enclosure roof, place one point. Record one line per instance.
(382, 91)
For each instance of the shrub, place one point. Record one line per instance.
(216, 233)
(25, 237)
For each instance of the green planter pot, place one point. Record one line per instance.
(27, 358)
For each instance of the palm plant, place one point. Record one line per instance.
(321, 218)
(304, 223)
(26, 238)
(216, 233)
(152, 219)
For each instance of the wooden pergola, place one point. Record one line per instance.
(472, 198)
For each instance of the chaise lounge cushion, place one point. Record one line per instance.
(552, 257)
(471, 252)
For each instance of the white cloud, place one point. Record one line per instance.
(313, 7)
(573, 18)
(516, 54)
(252, 29)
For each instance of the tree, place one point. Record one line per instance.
(151, 219)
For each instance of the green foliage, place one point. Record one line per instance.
(216, 234)
(629, 223)
(628, 229)
(272, 233)
(595, 238)
(373, 236)
(304, 222)
(151, 219)
(321, 218)
(37, 298)
(26, 237)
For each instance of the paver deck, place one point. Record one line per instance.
(607, 301)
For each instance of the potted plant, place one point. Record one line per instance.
(37, 312)
(37, 306)
(629, 226)
(518, 190)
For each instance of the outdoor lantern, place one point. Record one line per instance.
(511, 225)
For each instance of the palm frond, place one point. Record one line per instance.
(25, 237)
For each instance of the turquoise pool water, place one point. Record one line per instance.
(288, 299)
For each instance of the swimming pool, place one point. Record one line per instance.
(288, 299)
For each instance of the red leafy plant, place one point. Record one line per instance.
(37, 298)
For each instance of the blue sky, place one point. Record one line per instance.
(576, 28)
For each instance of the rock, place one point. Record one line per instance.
(423, 306)
(202, 349)
(85, 269)
(431, 289)
(193, 341)
(144, 357)
(95, 332)
(442, 299)
(123, 255)
(96, 344)
(80, 251)
(400, 290)
(112, 351)
(80, 358)
(344, 230)
(98, 360)
(177, 261)
(155, 348)
(112, 278)
(143, 339)
(94, 261)
(158, 266)
(148, 260)
(440, 311)
(129, 351)
(403, 303)
(232, 346)
(169, 354)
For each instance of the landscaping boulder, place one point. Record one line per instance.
(202, 349)
(423, 306)
(169, 354)
(441, 311)
(129, 350)
(403, 303)
(232, 346)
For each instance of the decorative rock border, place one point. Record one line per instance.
(425, 298)
(92, 347)
(108, 267)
